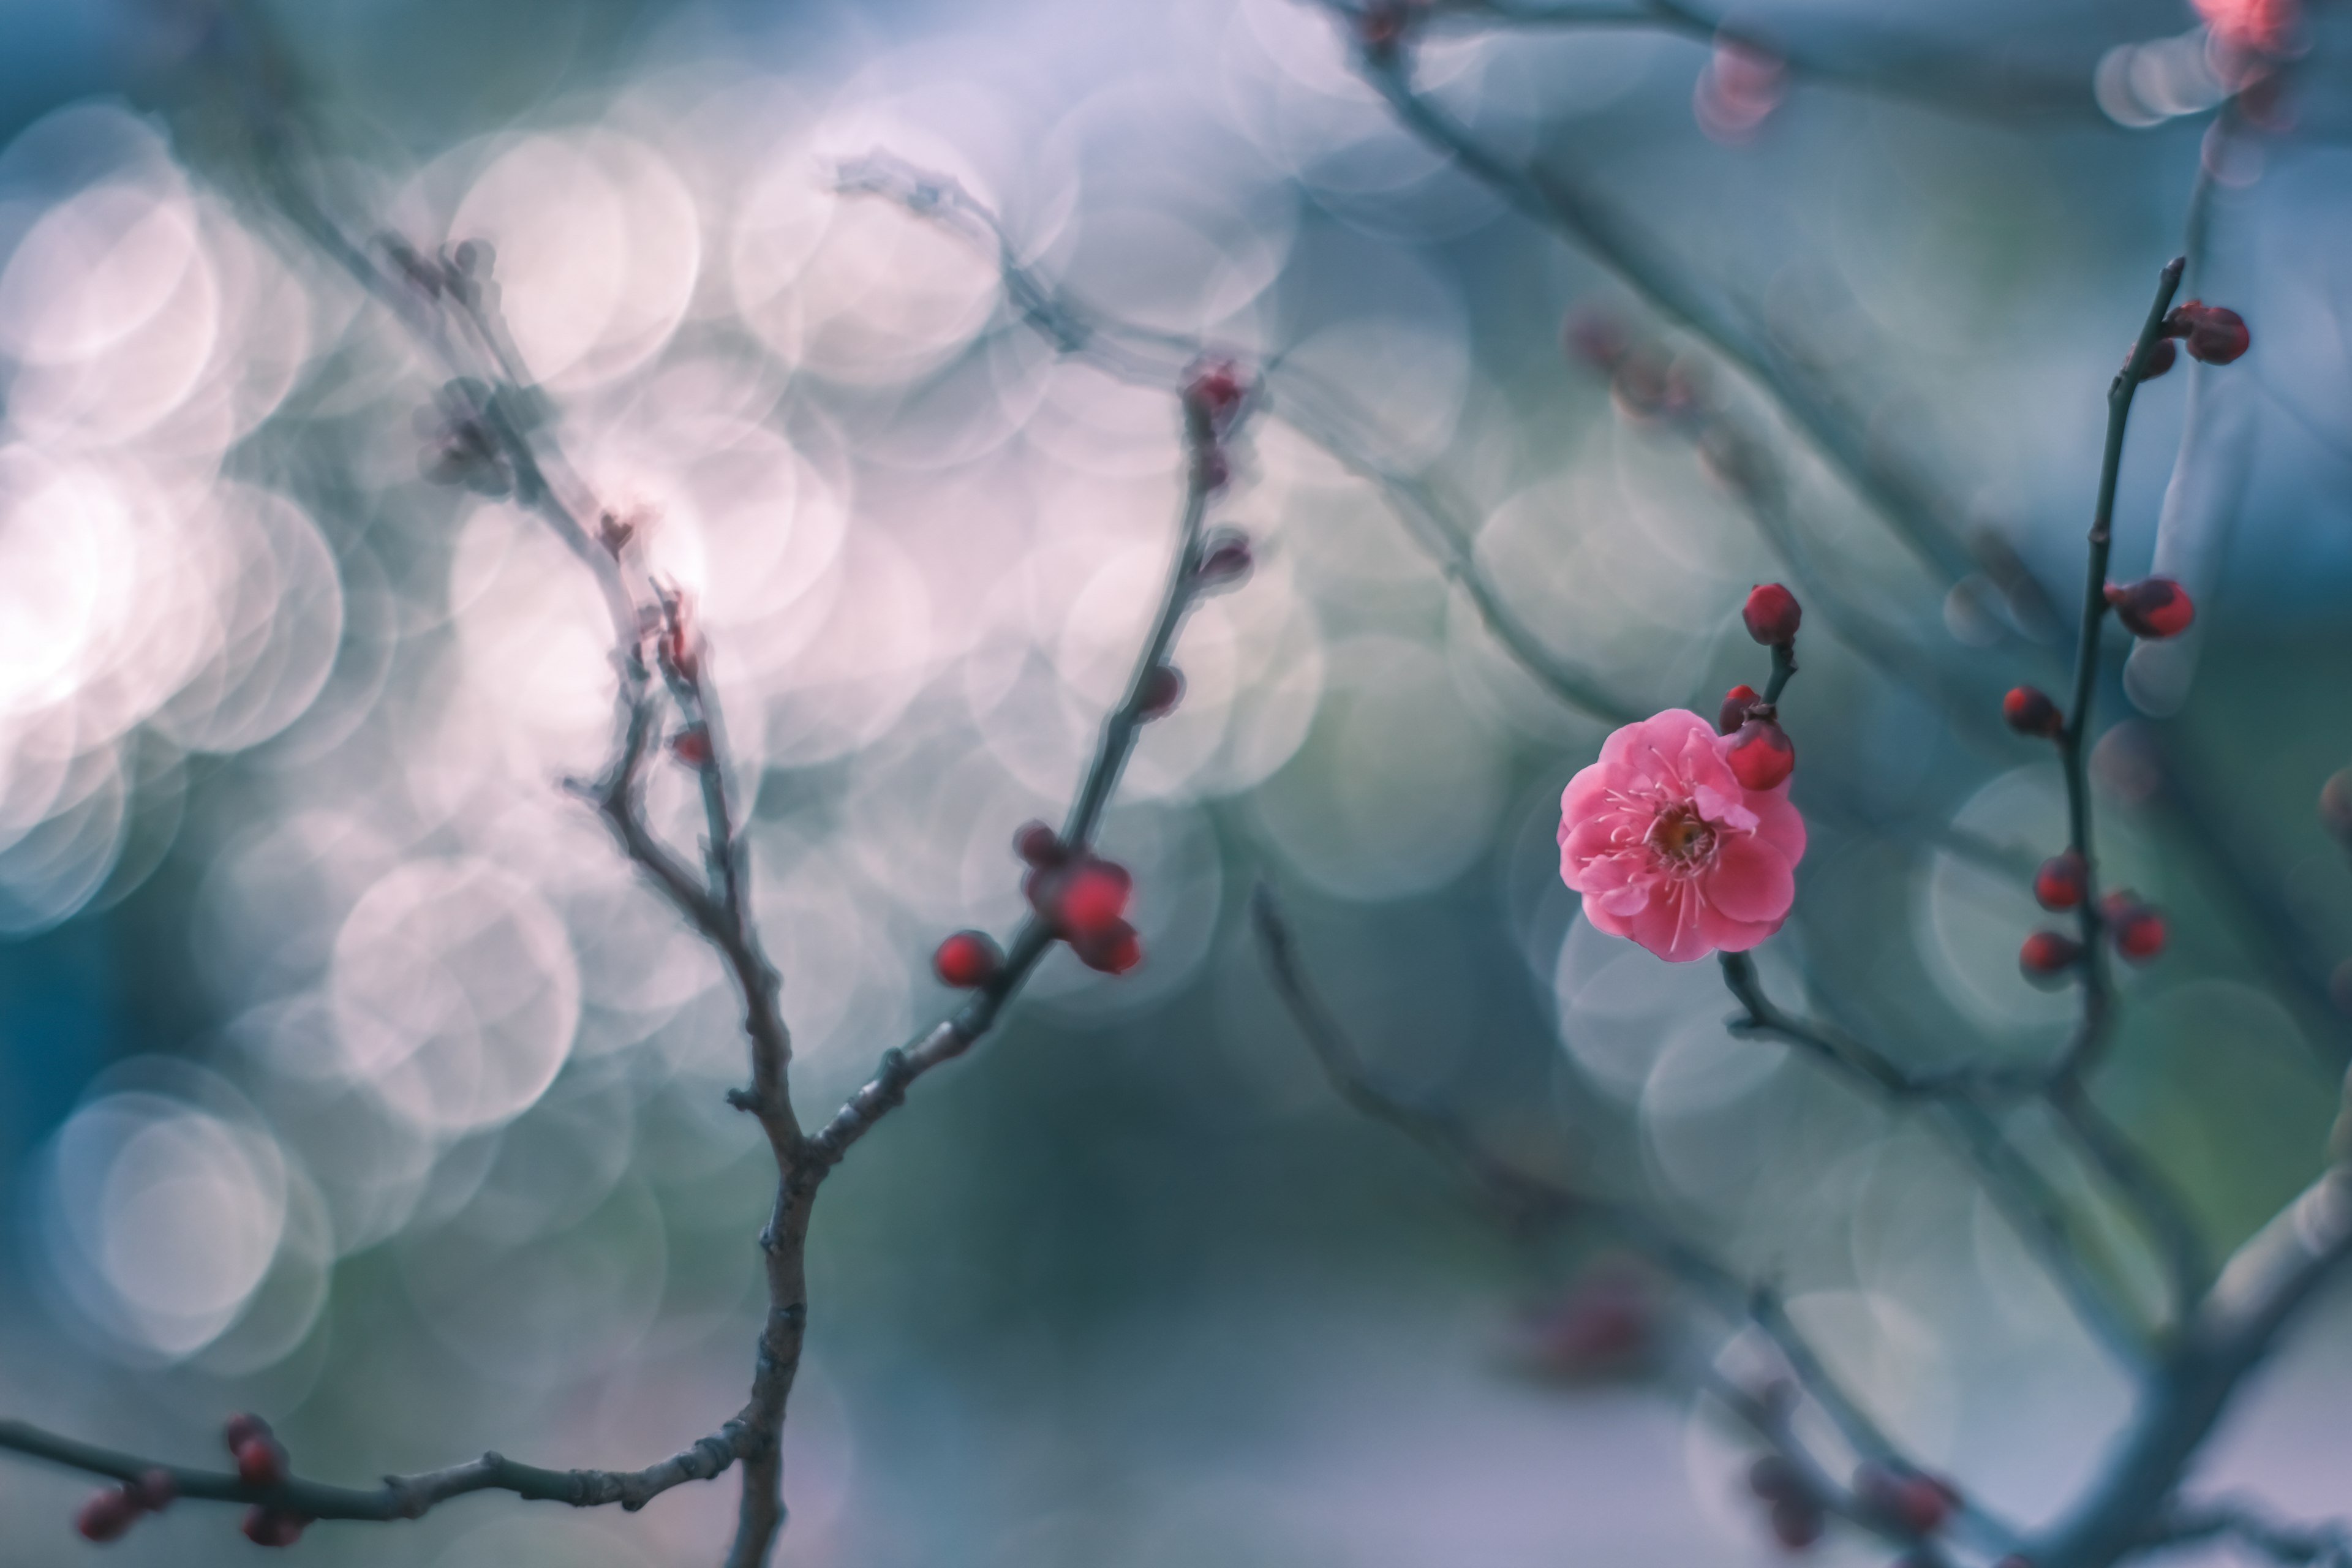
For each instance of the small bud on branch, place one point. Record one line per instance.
(2030, 713)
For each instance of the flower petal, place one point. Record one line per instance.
(1749, 881)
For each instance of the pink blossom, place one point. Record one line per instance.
(2267, 26)
(1670, 849)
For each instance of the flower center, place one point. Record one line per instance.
(1682, 836)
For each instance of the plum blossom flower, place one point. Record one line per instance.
(1670, 849)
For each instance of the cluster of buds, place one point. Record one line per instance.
(1761, 754)
(676, 642)
(1215, 394)
(2211, 333)
(2135, 928)
(1081, 897)
(1797, 1515)
(110, 1514)
(261, 1462)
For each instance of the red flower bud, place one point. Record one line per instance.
(1771, 613)
(2153, 608)
(2210, 333)
(2161, 356)
(2060, 883)
(2335, 805)
(240, 1426)
(107, 1516)
(692, 746)
(1162, 690)
(268, 1527)
(260, 1462)
(2047, 956)
(1761, 754)
(2137, 930)
(154, 1491)
(1112, 948)
(1090, 900)
(1797, 1522)
(1226, 560)
(1037, 844)
(1214, 387)
(968, 960)
(1734, 711)
(2030, 712)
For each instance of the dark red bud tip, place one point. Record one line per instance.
(2030, 712)
(2210, 333)
(1214, 387)
(1162, 690)
(2047, 956)
(2137, 930)
(1773, 614)
(968, 960)
(1225, 559)
(1113, 948)
(1761, 754)
(2335, 806)
(2161, 356)
(1595, 337)
(1774, 1479)
(2060, 884)
(260, 1462)
(2153, 608)
(268, 1527)
(154, 1491)
(107, 1516)
(1037, 844)
(240, 1426)
(1797, 1523)
(692, 747)
(1734, 711)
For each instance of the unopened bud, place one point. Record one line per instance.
(260, 1462)
(107, 1516)
(1771, 613)
(1734, 711)
(1761, 754)
(268, 1527)
(1797, 1522)
(2212, 333)
(242, 1426)
(1225, 559)
(2047, 957)
(1164, 688)
(1113, 948)
(968, 960)
(154, 1491)
(2137, 930)
(692, 746)
(1038, 845)
(2161, 356)
(1214, 387)
(2153, 608)
(2030, 712)
(2335, 806)
(2060, 882)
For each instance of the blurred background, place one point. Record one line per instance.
(346, 1074)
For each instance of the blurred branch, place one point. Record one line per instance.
(1204, 468)
(1910, 507)
(2325, 1545)
(1528, 1197)
(1949, 80)
(1324, 415)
